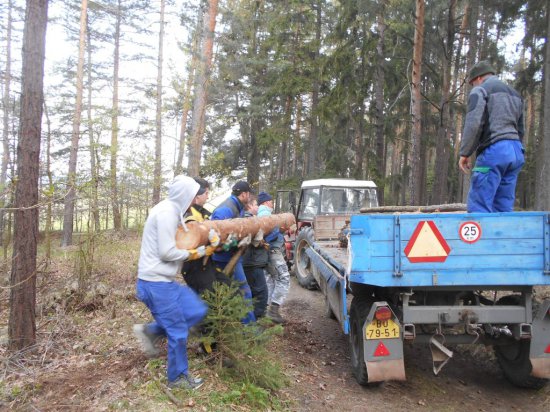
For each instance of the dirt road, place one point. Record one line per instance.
(318, 361)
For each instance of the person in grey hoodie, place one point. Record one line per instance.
(494, 129)
(175, 307)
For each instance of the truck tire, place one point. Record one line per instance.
(514, 358)
(360, 307)
(302, 263)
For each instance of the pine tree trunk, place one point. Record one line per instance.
(542, 182)
(178, 169)
(68, 215)
(439, 195)
(471, 57)
(416, 103)
(379, 96)
(117, 220)
(201, 89)
(312, 164)
(5, 122)
(93, 166)
(22, 324)
(157, 173)
(48, 228)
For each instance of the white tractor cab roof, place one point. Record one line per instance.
(338, 183)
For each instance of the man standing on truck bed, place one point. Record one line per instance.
(493, 128)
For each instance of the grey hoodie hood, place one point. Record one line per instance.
(182, 191)
(160, 260)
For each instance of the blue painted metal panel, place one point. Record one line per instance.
(513, 249)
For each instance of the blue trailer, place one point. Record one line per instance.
(438, 279)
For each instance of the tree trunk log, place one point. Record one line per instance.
(197, 233)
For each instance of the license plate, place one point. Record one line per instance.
(382, 329)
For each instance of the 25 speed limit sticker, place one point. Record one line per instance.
(470, 232)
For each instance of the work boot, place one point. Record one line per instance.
(273, 313)
(186, 382)
(147, 340)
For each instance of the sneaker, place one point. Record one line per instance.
(186, 382)
(146, 339)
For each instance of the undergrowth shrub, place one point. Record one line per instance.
(245, 347)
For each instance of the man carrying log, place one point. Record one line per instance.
(234, 207)
(201, 274)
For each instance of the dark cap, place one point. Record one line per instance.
(204, 185)
(241, 187)
(264, 197)
(479, 69)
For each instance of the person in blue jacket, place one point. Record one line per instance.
(493, 129)
(234, 207)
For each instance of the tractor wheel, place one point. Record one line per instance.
(514, 359)
(360, 307)
(302, 263)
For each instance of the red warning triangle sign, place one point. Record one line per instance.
(381, 350)
(427, 244)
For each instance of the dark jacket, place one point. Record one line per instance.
(255, 257)
(495, 112)
(201, 274)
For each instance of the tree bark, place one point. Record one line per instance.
(312, 152)
(201, 89)
(157, 173)
(117, 220)
(443, 129)
(471, 57)
(379, 96)
(416, 103)
(49, 191)
(22, 324)
(178, 169)
(68, 215)
(93, 154)
(5, 121)
(542, 182)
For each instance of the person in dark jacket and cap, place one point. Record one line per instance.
(255, 260)
(231, 208)
(493, 129)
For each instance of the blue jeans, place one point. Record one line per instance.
(494, 178)
(239, 277)
(175, 309)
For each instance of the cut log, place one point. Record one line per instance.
(196, 233)
(452, 207)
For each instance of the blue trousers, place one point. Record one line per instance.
(239, 277)
(175, 309)
(494, 178)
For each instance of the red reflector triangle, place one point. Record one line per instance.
(381, 350)
(547, 349)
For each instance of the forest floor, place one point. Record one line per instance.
(87, 359)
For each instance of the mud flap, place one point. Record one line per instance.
(539, 353)
(383, 356)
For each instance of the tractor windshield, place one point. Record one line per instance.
(347, 200)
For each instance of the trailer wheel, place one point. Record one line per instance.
(514, 358)
(302, 263)
(360, 306)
